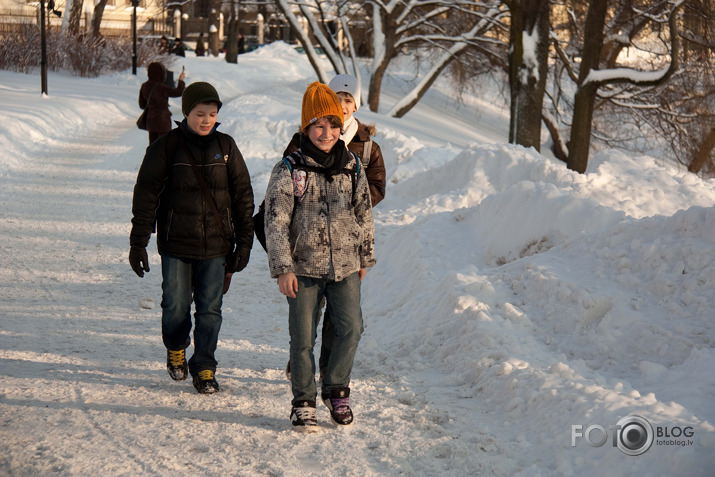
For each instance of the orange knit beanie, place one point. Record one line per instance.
(319, 101)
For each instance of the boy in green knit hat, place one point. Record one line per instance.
(193, 185)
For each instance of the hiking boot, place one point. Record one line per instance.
(303, 418)
(205, 383)
(338, 401)
(176, 364)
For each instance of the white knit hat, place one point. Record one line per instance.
(346, 84)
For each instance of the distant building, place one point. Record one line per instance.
(116, 19)
(185, 18)
(259, 20)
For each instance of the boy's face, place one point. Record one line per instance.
(348, 103)
(202, 118)
(323, 134)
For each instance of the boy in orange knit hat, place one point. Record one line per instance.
(320, 241)
(356, 136)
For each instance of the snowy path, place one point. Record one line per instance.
(513, 300)
(83, 363)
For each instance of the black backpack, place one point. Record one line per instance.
(296, 160)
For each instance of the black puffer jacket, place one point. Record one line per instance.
(168, 194)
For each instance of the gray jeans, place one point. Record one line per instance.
(343, 299)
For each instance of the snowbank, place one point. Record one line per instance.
(513, 300)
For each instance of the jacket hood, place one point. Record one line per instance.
(365, 131)
(156, 72)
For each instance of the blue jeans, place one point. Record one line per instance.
(203, 279)
(343, 300)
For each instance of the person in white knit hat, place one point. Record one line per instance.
(357, 136)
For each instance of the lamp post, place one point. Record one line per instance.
(135, 4)
(43, 48)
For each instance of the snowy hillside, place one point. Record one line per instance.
(518, 311)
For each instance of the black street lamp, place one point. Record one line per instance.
(43, 49)
(135, 4)
(43, 41)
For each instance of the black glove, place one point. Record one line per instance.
(237, 260)
(139, 260)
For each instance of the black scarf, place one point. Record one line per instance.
(334, 161)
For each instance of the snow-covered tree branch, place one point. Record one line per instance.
(594, 42)
(398, 28)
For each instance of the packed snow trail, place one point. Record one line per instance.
(512, 300)
(84, 365)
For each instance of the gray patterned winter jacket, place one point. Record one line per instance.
(326, 236)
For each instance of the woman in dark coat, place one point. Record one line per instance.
(154, 96)
(200, 47)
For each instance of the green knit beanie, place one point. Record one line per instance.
(199, 92)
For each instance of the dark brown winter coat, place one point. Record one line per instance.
(374, 165)
(158, 115)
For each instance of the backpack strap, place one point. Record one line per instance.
(170, 145)
(355, 173)
(224, 145)
(366, 151)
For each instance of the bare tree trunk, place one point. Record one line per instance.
(528, 66)
(580, 140)
(373, 97)
(232, 38)
(559, 148)
(97, 17)
(214, 24)
(74, 16)
(383, 46)
(704, 154)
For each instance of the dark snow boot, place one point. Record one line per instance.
(205, 383)
(303, 417)
(176, 364)
(338, 401)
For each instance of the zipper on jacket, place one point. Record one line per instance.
(168, 223)
(205, 239)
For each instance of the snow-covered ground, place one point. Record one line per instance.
(513, 300)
